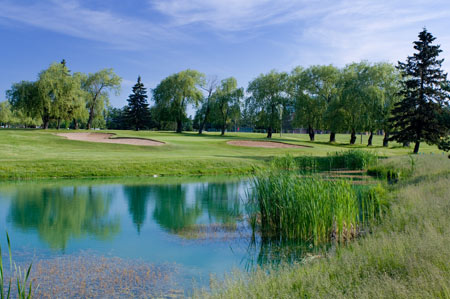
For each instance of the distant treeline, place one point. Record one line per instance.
(409, 103)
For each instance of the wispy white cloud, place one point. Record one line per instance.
(71, 18)
(338, 31)
(375, 30)
(235, 15)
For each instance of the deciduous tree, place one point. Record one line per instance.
(174, 93)
(97, 87)
(209, 86)
(227, 102)
(268, 96)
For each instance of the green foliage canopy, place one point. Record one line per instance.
(268, 96)
(174, 93)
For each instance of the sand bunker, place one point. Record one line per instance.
(106, 138)
(265, 144)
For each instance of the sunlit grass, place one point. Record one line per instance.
(406, 256)
(26, 154)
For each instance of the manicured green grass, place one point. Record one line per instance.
(26, 154)
(406, 256)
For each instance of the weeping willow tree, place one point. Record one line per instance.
(381, 94)
(226, 102)
(56, 95)
(268, 97)
(175, 93)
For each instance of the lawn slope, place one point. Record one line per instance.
(27, 154)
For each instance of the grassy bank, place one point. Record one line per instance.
(407, 256)
(28, 154)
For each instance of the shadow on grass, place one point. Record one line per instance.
(256, 158)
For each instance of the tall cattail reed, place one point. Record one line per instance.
(350, 159)
(309, 208)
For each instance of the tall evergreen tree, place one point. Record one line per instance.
(138, 112)
(417, 117)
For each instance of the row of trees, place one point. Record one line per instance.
(60, 96)
(409, 103)
(356, 98)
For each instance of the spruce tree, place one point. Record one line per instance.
(138, 111)
(417, 117)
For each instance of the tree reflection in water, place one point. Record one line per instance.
(137, 198)
(61, 213)
(177, 207)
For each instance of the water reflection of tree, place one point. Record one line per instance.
(175, 211)
(137, 197)
(172, 212)
(221, 200)
(61, 213)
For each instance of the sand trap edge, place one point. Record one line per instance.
(101, 137)
(264, 144)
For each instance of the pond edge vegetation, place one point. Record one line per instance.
(286, 202)
(405, 255)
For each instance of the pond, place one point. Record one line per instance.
(131, 237)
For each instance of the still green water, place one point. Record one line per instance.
(191, 228)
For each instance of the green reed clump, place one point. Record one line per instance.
(310, 209)
(21, 278)
(352, 159)
(372, 202)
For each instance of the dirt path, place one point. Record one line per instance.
(265, 144)
(106, 138)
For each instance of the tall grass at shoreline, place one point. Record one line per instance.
(354, 159)
(311, 209)
(18, 279)
(406, 256)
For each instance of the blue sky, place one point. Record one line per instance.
(240, 38)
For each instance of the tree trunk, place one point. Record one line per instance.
(311, 133)
(59, 123)
(179, 126)
(223, 130)
(202, 125)
(332, 137)
(269, 132)
(91, 118)
(406, 144)
(386, 139)
(45, 121)
(416, 147)
(369, 143)
(353, 137)
(75, 123)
